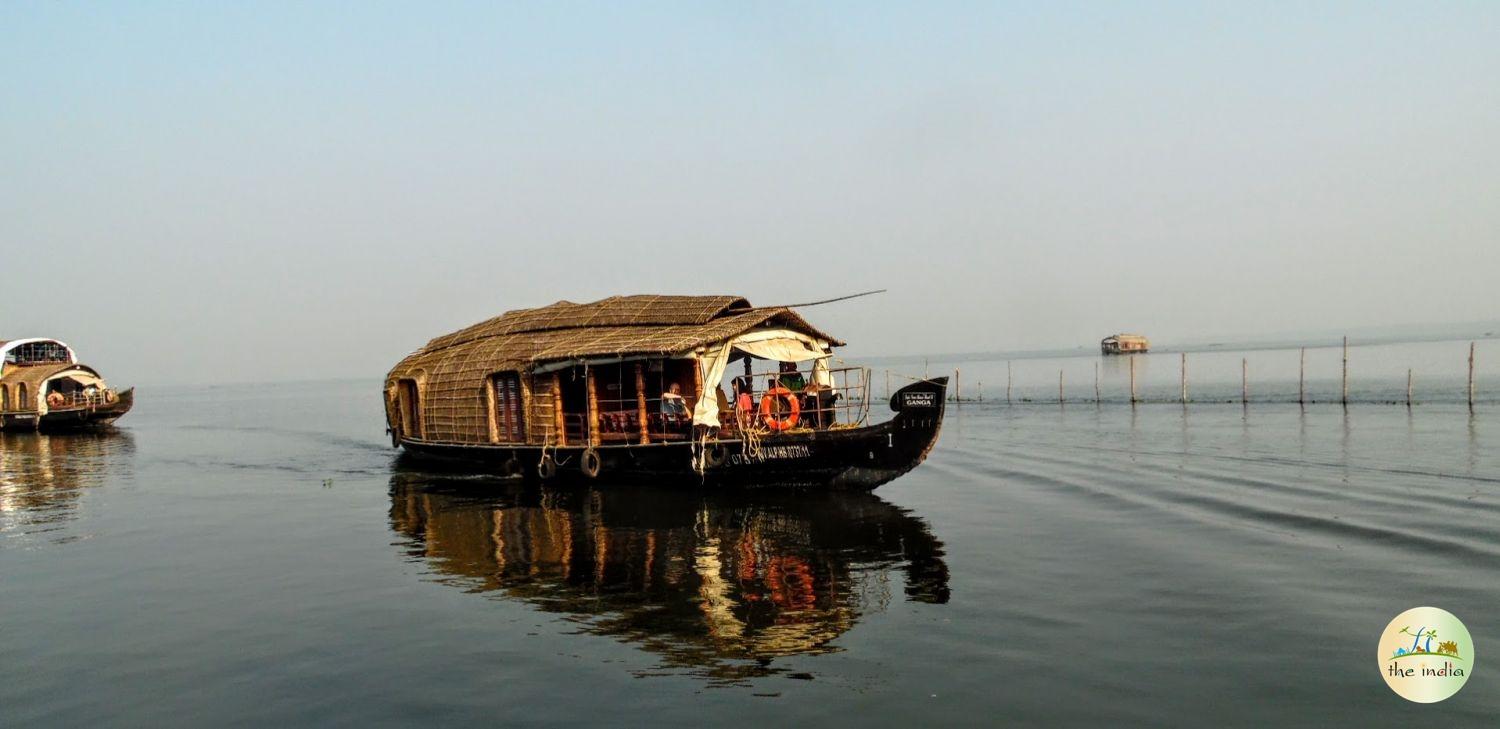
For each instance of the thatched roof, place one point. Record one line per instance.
(617, 326)
(616, 311)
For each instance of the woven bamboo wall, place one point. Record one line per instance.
(540, 424)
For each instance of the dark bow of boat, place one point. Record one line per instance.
(855, 458)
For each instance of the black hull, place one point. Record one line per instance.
(852, 458)
(73, 419)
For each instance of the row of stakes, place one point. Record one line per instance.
(956, 395)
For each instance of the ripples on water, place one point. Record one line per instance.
(256, 556)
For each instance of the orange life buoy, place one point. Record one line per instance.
(768, 402)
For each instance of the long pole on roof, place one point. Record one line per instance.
(825, 301)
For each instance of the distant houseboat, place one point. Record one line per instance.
(635, 387)
(43, 387)
(1125, 344)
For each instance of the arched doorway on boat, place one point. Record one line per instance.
(22, 397)
(408, 408)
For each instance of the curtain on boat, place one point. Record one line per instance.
(780, 345)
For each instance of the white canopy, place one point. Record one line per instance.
(781, 345)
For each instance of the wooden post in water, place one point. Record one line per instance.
(1408, 388)
(1244, 381)
(1344, 398)
(958, 396)
(1302, 378)
(1471, 376)
(1059, 387)
(887, 384)
(1096, 383)
(1132, 379)
(1007, 382)
(1184, 378)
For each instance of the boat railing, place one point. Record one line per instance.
(575, 428)
(81, 399)
(838, 400)
(620, 419)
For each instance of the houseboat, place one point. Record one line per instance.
(43, 387)
(1125, 344)
(703, 389)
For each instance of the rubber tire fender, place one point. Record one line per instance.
(716, 455)
(590, 463)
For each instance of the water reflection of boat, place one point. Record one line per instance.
(43, 475)
(718, 585)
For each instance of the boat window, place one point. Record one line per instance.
(21, 397)
(506, 422)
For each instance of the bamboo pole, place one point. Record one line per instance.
(1007, 382)
(1132, 380)
(887, 384)
(1471, 375)
(527, 408)
(558, 420)
(1344, 397)
(1096, 383)
(1059, 387)
(588, 378)
(640, 402)
(1244, 381)
(1408, 388)
(1302, 378)
(1184, 378)
(958, 395)
(492, 408)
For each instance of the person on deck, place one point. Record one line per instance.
(673, 403)
(744, 402)
(790, 378)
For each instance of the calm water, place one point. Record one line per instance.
(254, 555)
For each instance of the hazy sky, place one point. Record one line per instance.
(255, 191)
